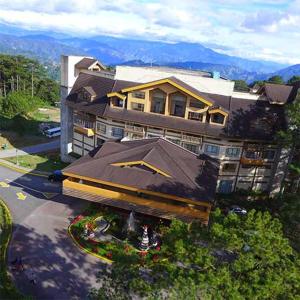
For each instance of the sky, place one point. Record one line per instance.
(267, 30)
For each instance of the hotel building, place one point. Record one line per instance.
(196, 110)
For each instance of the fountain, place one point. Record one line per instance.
(130, 224)
(144, 244)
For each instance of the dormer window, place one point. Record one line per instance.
(116, 102)
(86, 94)
(217, 118)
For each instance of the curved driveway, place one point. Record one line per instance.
(40, 238)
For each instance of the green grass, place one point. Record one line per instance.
(23, 131)
(7, 288)
(47, 162)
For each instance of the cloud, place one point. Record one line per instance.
(237, 27)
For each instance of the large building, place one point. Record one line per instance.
(198, 111)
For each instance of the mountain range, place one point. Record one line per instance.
(48, 46)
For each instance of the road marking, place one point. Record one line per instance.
(45, 194)
(25, 178)
(4, 184)
(50, 195)
(21, 196)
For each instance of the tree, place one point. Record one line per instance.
(290, 139)
(293, 79)
(234, 258)
(19, 103)
(241, 85)
(276, 79)
(47, 90)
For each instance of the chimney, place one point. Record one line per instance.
(215, 75)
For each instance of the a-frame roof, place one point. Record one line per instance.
(151, 165)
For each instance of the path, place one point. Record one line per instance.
(53, 145)
(40, 237)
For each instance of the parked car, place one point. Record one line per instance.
(57, 176)
(238, 210)
(52, 132)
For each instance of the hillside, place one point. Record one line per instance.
(48, 46)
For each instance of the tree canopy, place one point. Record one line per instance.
(234, 258)
(21, 74)
(276, 79)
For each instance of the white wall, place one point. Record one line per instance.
(194, 79)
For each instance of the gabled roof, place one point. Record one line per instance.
(87, 62)
(179, 84)
(170, 169)
(277, 93)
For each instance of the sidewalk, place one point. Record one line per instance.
(31, 149)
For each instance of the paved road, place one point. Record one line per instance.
(31, 149)
(40, 238)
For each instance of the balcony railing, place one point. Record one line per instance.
(252, 161)
(191, 139)
(132, 128)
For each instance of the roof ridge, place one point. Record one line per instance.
(175, 162)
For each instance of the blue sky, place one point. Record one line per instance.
(252, 29)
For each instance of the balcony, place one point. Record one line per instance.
(83, 130)
(252, 161)
(192, 139)
(136, 129)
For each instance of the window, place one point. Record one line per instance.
(101, 128)
(158, 102)
(117, 102)
(225, 186)
(232, 152)
(100, 141)
(197, 104)
(252, 154)
(137, 106)
(175, 141)
(191, 147)
(195, 116)
(217, 118)
(212, 149)
(178, 105)
(268, 154)
(117, 132)
(139, 95)
(228, 167)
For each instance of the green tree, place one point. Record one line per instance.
(276, 79)
(47, 90)
(19, 103)
(290, 139)
(293, 79)
(241, 85)
(234, 258)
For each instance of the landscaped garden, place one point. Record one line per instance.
(235, 257)
(111, 234)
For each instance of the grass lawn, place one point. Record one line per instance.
(24, 131)
(48, 162)
(7, 289)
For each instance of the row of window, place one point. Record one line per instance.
(232, 152)
(226, 186)
(231, 167)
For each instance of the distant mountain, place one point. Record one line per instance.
(48, 46)
(288, 72)
(122, 49)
